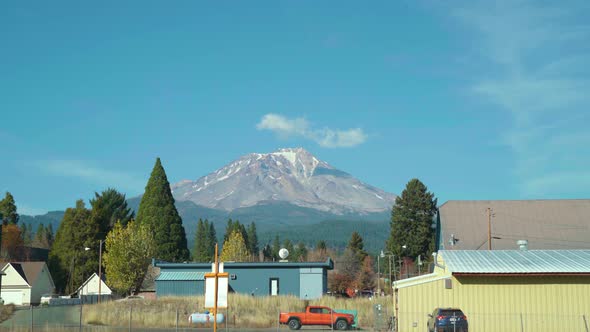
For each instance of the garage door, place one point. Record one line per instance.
(12, 296)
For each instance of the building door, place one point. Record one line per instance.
(13, 296)
(274, 287)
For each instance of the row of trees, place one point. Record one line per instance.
(354, 268)
(81, 228)
(157, 231)
(15, 238)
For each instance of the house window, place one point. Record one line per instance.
(274, 286)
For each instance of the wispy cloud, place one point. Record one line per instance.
(326, 137)
(539, 62)
(92, 174)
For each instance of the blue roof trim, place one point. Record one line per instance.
(328, 264)
(180, 276)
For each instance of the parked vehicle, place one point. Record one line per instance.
(46, 298)
(317, 315)
(447, 320)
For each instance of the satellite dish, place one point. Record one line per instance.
(283, 253)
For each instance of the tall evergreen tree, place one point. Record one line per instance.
(233, 226)
(287, 244)
(411, 220)
(276, 246)
(229, 228)
(27, 233)
(267, 252)
(252, 240)
(67, 258)
(300, 253)
(8, 210)
(201, 251)
(40, 240)
(108, 208)
(49, 236)
(356, 245)
(158, 212)
(211, 240)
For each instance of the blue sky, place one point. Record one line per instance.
(478, 101)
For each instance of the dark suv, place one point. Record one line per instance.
(447, 320)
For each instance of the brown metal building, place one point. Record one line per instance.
(545, 224)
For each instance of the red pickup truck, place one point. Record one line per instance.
(316, 315)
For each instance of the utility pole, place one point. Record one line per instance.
(99, 270)
(489, 228)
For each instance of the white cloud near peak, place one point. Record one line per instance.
(300, 127)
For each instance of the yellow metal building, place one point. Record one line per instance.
(502, 290)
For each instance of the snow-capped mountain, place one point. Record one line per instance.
(287, 175)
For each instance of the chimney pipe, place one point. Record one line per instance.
(523, 244)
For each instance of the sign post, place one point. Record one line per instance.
(216, 285)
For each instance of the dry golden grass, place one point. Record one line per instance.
(244, 311)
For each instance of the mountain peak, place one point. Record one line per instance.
(292, 175)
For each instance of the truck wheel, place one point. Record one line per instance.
(341, 324)
(294, 324)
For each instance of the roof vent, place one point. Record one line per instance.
(523, 244)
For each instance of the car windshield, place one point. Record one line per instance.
(451, 313)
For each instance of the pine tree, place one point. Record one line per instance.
(253, 240)
(287, 244)
(267, 252)
(201, 251)
(108, 208)
(67, 258)
(211, 240)
(158, 212)
(26, 234)
(300, 254)
(234, 249)
(233, 226)
(49, 237)
(356, 245)
(40, 237)
(8, 210)
(276, 246)
(411, 220)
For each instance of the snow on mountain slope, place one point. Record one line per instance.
(292, 175)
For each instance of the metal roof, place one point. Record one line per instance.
(517, 261)
(328, 264)
(180, 276)
(562, 224)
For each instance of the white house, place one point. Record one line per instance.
(90, 287)
(25, 282)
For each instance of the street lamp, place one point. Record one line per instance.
(99, 268)
(390, 256)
